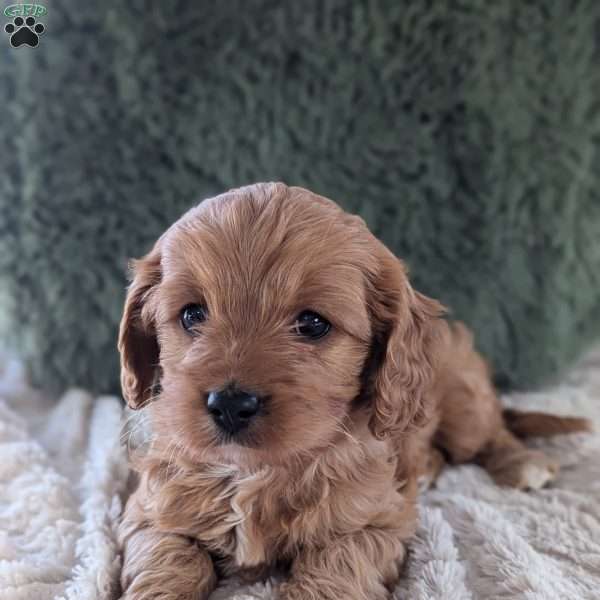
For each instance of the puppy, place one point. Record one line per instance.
(298, 391)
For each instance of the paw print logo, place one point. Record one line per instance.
(24, 32)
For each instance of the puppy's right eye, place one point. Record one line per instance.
(192, 315)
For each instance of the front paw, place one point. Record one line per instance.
(296, 590)
(173, 590)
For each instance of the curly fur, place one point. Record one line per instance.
(324, 481)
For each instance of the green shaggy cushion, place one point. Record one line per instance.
(466, 133)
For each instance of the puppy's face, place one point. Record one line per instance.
(257, 312)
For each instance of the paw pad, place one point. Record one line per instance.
(24, 31)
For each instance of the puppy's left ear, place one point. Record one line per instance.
(404, 325)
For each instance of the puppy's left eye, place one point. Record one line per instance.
(311, 325)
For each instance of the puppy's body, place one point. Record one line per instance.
(341, 511)
(324, 478)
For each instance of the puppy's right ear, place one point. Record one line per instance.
(138, 344)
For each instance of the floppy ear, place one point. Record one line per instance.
(137, 336)
(404, 323)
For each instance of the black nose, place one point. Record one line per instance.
(232, 409)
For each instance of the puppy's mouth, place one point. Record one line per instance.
(250, 436)
(243, 438)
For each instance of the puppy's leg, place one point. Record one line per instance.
(473, 431)
(470, 419)
(163, 566)
(511, 463)
(433, 467)
(472, 427)
(360, 566)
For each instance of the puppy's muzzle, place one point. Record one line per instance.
(232, 409)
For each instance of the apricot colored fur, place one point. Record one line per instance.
(324, 482)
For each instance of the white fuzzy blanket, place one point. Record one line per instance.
(63, 473)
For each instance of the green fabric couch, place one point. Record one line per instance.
(465, 132)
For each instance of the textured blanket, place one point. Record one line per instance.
(63, 474)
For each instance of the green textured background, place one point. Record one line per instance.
(465, 132)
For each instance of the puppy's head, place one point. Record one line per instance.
(265, 322)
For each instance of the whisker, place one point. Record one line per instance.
(175, 445)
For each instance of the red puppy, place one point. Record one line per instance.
(297, 388)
